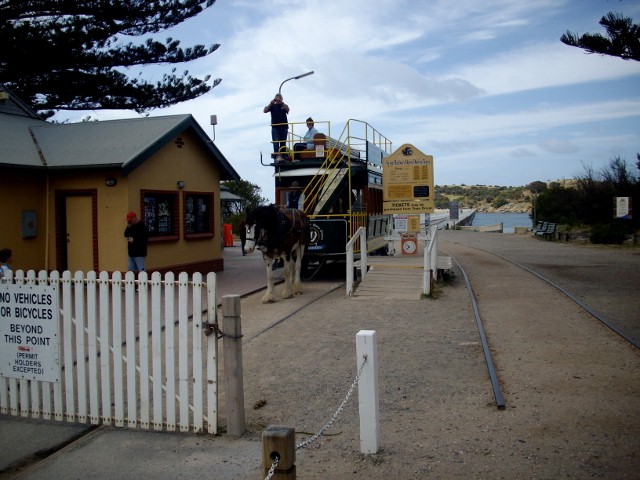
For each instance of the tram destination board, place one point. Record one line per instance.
(408, 181)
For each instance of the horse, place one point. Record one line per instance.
(279, 233)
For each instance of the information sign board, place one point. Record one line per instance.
(454, 210)
(622, 207)
(408, 181)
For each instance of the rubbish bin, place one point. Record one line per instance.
(228, 235)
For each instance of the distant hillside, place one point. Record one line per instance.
(485, 198)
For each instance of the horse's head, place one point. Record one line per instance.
(261, 227)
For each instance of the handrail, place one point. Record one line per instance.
(370, 135)
(361, 234)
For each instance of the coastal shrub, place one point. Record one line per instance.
(558, 205)
(609, 233)
(499, 202)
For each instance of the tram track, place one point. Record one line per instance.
(597, 315)
(530, 310)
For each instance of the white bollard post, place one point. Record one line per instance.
(368, 401)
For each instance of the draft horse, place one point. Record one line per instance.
(279, 233)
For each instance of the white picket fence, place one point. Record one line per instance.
(132, 353)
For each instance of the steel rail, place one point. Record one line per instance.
(495, 384)
(597, 315)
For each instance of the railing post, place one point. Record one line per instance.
(361, 234)
(368, 401)
(426, 268)
(363, 252)
(232, 346)
(434, 255)
(349, 282)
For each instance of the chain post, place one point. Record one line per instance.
(278, 450)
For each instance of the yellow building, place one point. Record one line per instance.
(66, 190)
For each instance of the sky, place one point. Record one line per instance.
(487, 87)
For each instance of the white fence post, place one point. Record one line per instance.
(368, 401)
(212, 356)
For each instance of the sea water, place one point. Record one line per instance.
(509, 220)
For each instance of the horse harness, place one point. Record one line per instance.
(284, 228)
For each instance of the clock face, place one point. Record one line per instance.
(409, 246)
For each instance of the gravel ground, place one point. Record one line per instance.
(570, 385)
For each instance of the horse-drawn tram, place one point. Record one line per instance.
(337, 182)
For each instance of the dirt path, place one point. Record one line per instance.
(571, 387)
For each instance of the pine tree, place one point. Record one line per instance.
(623, 38)
(67, 55)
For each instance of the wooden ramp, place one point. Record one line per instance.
(392, 277)
(398, 277)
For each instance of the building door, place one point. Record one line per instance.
(79, 233)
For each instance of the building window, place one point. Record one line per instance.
(160, 208)
(198, 215)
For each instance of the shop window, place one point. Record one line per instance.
(160, 210)
(198, 215)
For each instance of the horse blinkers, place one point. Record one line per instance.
(253, 241)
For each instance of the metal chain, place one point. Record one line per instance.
(274, 465)
(313, 438)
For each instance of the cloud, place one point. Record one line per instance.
(522, 152)
(558, 145)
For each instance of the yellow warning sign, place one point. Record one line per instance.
(408, 181)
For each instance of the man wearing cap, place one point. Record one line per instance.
(137, 236)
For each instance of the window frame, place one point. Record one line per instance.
(210, 233)
(174, 211)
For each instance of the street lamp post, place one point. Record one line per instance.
(295, 78)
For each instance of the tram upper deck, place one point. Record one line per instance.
(358, 141)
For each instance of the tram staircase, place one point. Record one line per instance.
(329, 182)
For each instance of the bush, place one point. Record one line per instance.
(499, 202)
(609, 233)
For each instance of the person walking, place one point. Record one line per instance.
(137, 235)
(279, 123)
